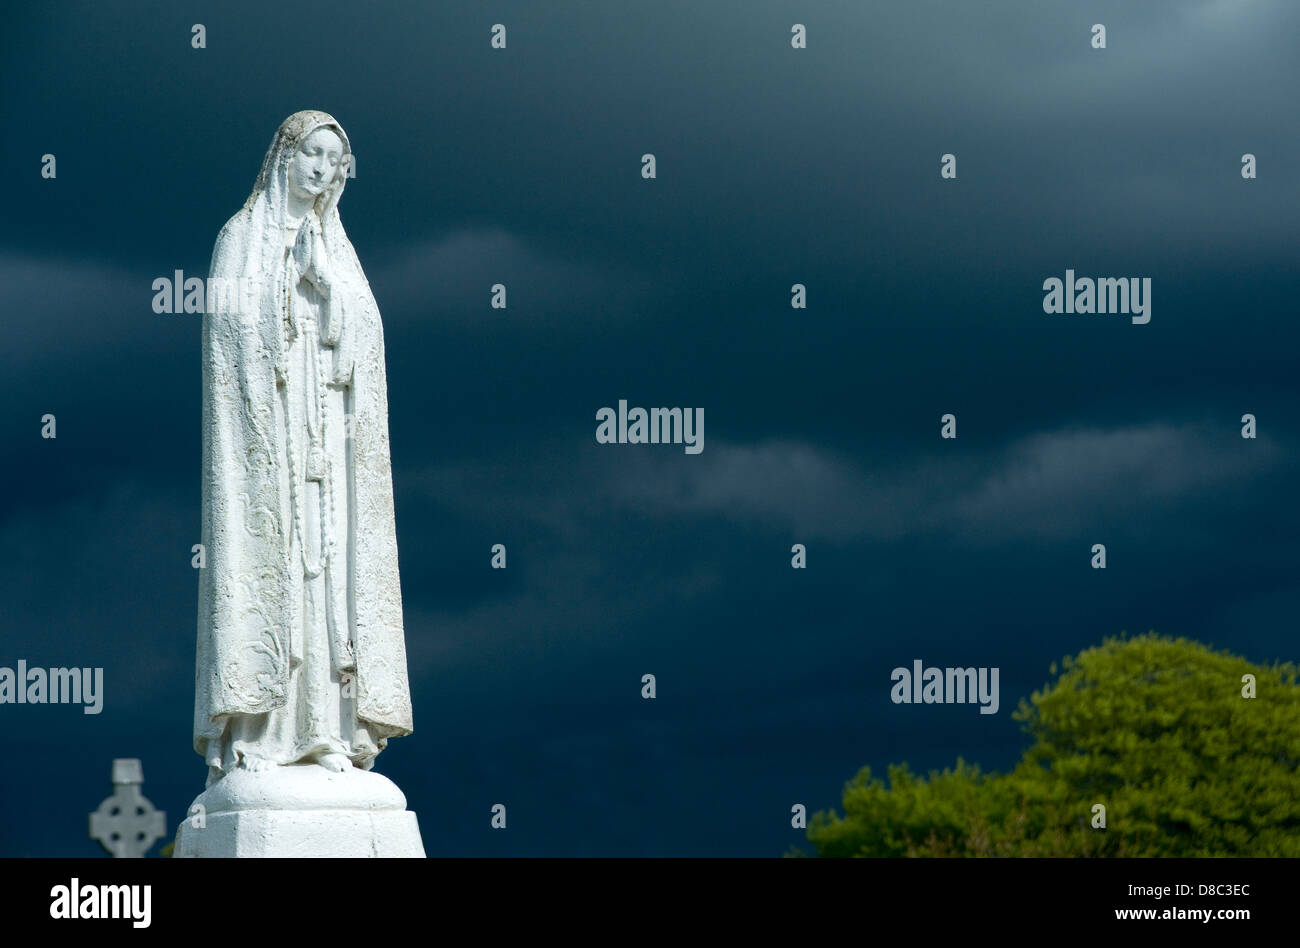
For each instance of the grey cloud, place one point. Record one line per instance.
(1043, 487)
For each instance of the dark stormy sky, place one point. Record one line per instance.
(775, 166)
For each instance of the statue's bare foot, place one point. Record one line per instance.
(255, 764)
(334, 762)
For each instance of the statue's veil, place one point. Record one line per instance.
(266, 214)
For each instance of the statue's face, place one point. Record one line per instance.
(315, 166)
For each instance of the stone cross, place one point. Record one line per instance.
(126, 824)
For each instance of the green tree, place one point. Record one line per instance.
(1155, 729)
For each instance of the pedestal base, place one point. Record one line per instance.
(300, 811)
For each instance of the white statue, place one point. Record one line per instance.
(301, 654)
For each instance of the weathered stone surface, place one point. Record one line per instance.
(301, 654)
(300, 810)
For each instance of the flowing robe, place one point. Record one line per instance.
(276, 643)
(319, 713)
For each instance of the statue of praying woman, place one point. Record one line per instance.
(301, 652)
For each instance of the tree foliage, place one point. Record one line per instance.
(1155, 729)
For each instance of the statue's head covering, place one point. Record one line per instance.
(252, 243)
(272, 180)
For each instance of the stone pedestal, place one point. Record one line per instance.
(300, 811)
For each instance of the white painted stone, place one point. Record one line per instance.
(302, 787)
(301, 810)
(301, 834)
(301, 659)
